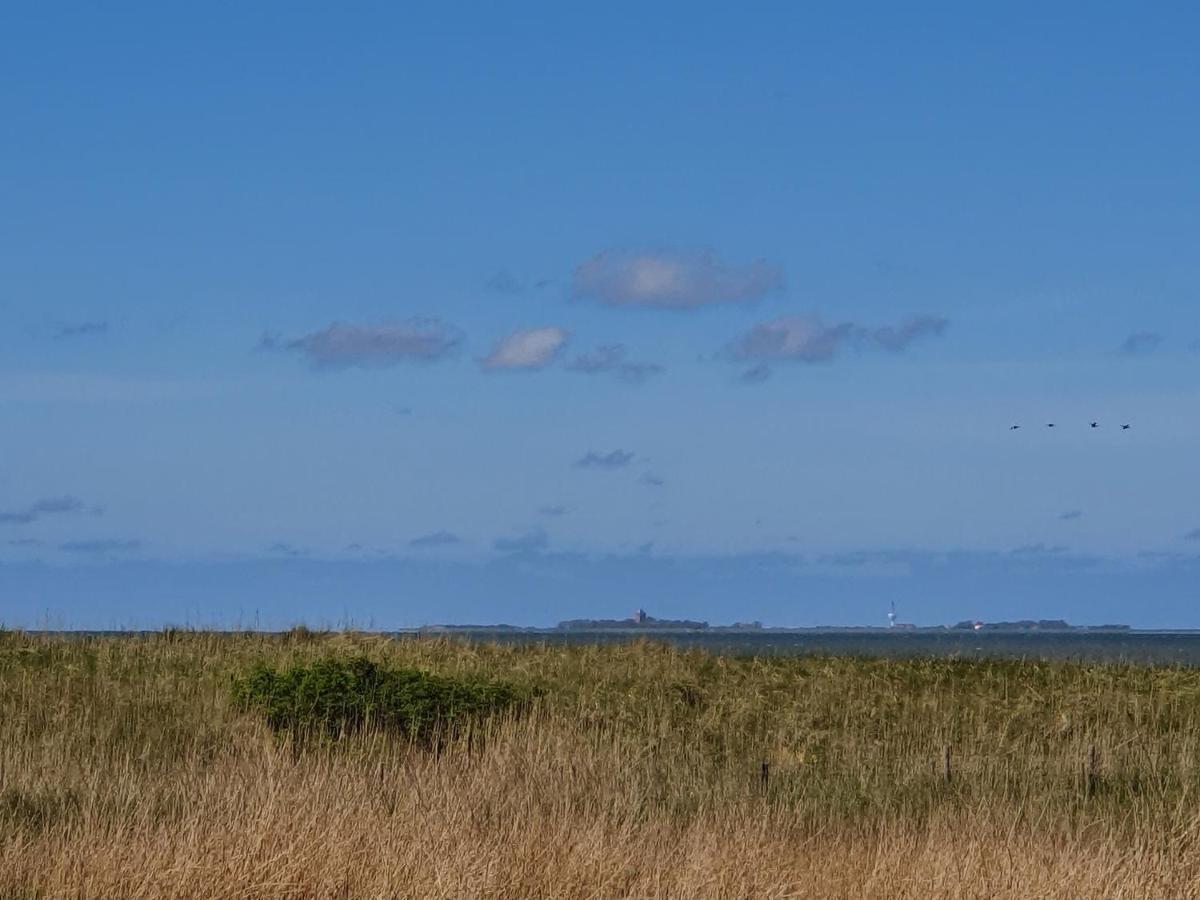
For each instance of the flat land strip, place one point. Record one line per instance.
(128, 770)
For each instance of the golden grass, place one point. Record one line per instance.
(126, 772)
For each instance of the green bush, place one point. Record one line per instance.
(337, 696)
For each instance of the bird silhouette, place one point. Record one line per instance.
(1049, 424)
(1124, 427)
(1095, 424)
(1013, 427)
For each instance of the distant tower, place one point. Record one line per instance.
(892, 616)
(640, 617)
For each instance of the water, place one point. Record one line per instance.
(1162, 648)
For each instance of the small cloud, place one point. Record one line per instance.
(636, 373)
(803, 338)
(363, 551)
(289, 550)
(435, 539)
(652, 480)
(602, 359)
(402, 410)
(672, 279)
(533, 540)
(99, 546)
(26, 542)
(755, 374)
(56, 505)
(532, 348)
(80, 329)
(857, 559)
(1038, 549)
(556, 510)
(897, 337)
(615, 459)
(504, 282)
(1070, 515)
(610, 359)
(342, 345)
(1193, 535)
(49, 506)
(809, 339)
(1141, 343)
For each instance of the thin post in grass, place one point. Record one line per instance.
(764, 778)
(1090, 771)
(947, 773)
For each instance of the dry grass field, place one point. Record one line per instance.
(126, 770)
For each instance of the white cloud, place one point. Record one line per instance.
(532, 541)
(809, 339)
(672, 279)
(531, 348)
(755, 374)
(100, 546)
(81, 329)
(610, 359)
(792, 337)
(615, 459)
(45, 507)
(898, 337)
(342, 344)
(504, 282)
(436, 539)
(1141, 342)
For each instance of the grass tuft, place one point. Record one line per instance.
(339, 696)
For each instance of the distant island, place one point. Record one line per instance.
(640, 621)
(1031, 625)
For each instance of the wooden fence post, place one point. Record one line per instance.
(1090, 771)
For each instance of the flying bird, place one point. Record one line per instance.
(1124, 427)
(1013, 427)
(1095, 424)
(1049, 424)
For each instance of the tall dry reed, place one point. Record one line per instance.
(125, 771)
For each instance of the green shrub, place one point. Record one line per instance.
(302, 634)
(336, 696)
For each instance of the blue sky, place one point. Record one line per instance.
(458, 312)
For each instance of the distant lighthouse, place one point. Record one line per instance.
(892, 616)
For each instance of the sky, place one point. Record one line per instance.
(398, 314)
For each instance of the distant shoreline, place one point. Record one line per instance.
(713, 631)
